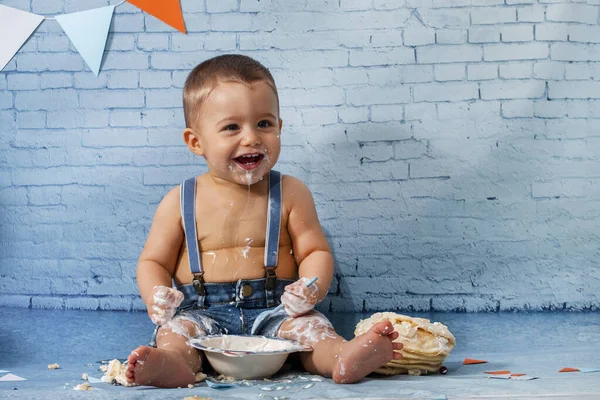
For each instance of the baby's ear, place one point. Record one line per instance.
(280, 124)
(192, 141)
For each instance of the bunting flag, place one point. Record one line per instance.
(168, 11)
(18, 26)
(88, 31)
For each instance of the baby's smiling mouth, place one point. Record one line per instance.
(250, 161)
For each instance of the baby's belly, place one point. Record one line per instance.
(232, 264)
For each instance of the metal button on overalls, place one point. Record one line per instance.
(246, 291)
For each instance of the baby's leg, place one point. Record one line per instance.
(173, 363)
(345, 362)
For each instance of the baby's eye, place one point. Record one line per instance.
(264, 124)
(231, 127)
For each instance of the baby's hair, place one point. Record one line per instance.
(225, 68)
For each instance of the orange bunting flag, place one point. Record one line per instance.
(569, 370)
(518, 374)
(471, 361)
(497, 372)
(168, 11)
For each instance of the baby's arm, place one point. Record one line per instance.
(311, 250)
(158, 259)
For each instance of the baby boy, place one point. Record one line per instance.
(240, 239)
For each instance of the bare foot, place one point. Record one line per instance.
(365, 353)
(158, 367)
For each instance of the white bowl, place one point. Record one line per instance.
(245, 356)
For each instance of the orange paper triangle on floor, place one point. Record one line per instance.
(569, 370)
(168, 11)
(497, 372)
(472, 361)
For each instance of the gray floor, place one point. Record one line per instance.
(538, 344)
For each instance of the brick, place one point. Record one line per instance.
(450, 72)
(23, 82)
(399, 55)
(354, 5)
(477, 72)
(133, 23)
(43, 7)
(59, 99)
(587, 14)
(349, 76)
(533, 13)
(451, 36)
(512, 90)
(573, 90)
(410, 149)
(54, 43)
(384, 113)
(582, 71)
(56, 81)
(584, 33)
(328, 96)
(152, 42)
(484, 34)
(77, 119)
(445, 92)
(517, 33)
(521, 70)
(552, 32)
(444, 18)
(304, 79)
(6, 100)
(386, 39)
(517, 109)
(155, 79)
(221, 6)
(450, 53)
(352, 115)
(493, 15)
(122, 79)
(31, 119)
(255, 5)
(393, 130)
(101, 99)
(549, 70)
(419, 111)
(122, 41)
(418, 36)
(375, 95)
(402, 74)
(320, 116)
(506, 52)
(388, 4)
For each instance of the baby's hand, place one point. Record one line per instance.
(165, 302)
(299, 299)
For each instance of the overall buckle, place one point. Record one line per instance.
(271, 278)
(198, 283)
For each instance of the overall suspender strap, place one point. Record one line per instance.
(272, 234)
(188, 215)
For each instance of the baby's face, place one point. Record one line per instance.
(239, 128)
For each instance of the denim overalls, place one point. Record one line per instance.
(232, 307)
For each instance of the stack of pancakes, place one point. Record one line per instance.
(426, 344)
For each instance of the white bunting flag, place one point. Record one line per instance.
(88, 31)
(15, 28)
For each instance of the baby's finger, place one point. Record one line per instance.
(397, 346)
(397, 356)
(394, 335)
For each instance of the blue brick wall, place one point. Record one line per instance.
(453, 147)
